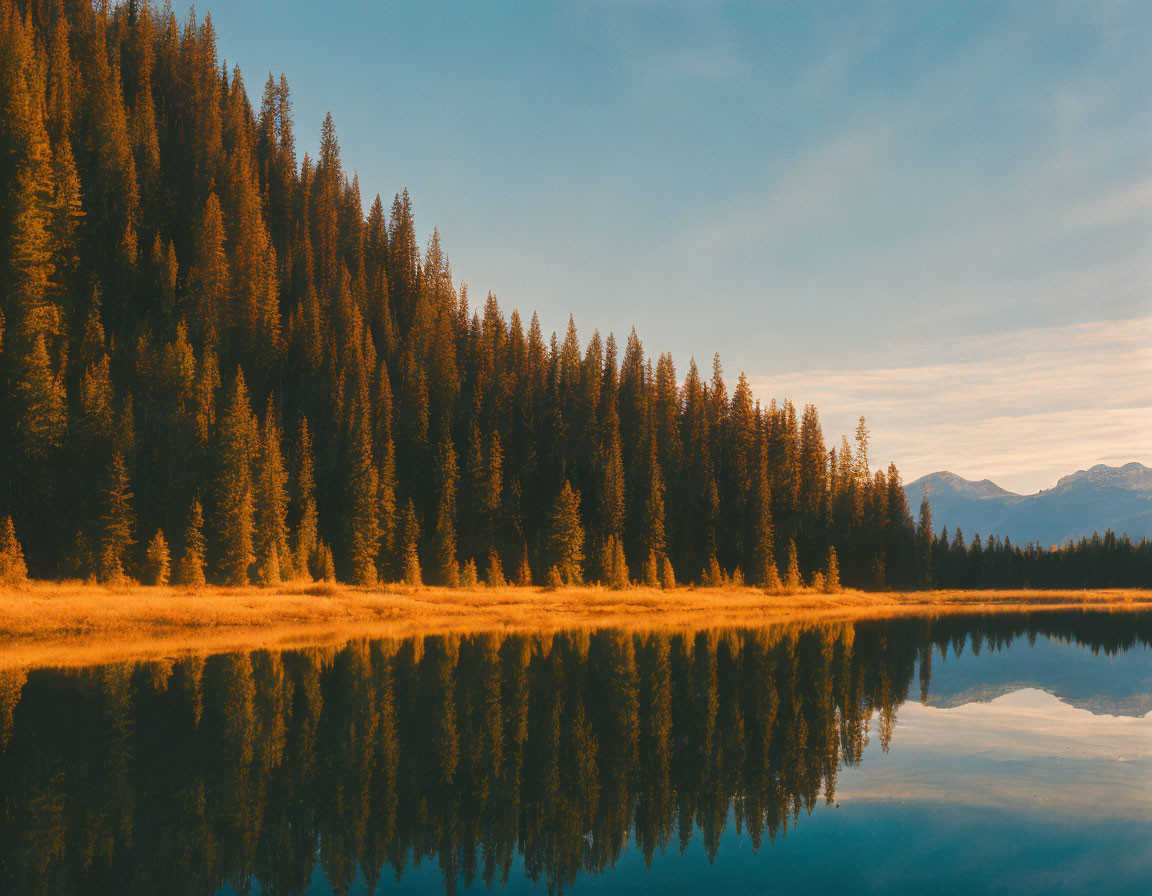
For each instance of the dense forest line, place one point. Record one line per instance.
(1107, 561)
(214, 365)
(488, 756)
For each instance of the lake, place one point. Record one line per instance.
(1007, 753)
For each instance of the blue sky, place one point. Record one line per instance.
(825, 193)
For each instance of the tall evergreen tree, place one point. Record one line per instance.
(361, 510)
(304, 500)
(273, 557)
(237, 442)
(117, 522)
(40, 420)
(925, 539)
(409, 541)
(761, 562)
(566, 536)
(190, 569)
(13, 571)
(491, 499)
(792, 579)
(208, 290)
(444, 548)
(157, 562)
(384, 455)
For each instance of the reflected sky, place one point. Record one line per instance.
(960, 754)
(1024, 749)
(1021, 794)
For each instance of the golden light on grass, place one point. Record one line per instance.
(74, 623)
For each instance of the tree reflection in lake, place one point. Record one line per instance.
(476, 752)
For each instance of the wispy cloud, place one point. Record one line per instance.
(1021, 408)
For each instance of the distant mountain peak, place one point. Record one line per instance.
(1087, 501)
(944, 481)
(1132, 477)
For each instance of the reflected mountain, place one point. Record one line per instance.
(1117, 685)
(498, 759)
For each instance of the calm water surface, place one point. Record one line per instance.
(960, 754)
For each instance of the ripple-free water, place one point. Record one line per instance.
(958, 754)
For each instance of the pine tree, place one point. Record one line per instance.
(157, 563)
(471, 501)
(492, 494)
(306, 539)
(613, 565)
(761, 541)
(652, 571)
(772, 581)
(494, 577)
(361, 508)
(468, 576)
(924, 541)
(447, 568)
(190, 569)
(384, 452)
(325, 564)
(12, 568)
(116, 522)
(667, 574)
(41, 419)
(93, 436)
(650, 505)
(713, 575)
(792, 580)
(832, 572)
(409, 540)
(209, 282)
(66, 214)
(604, 562)
(26, 281)
(273, 559)
(863, 474)
(813, 482)
(612, 493)
(524, 572)
(236, 448)
(566, 536)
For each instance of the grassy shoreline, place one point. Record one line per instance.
(74, 623)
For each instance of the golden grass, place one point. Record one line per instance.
(73, 623)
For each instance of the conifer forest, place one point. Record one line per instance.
(214, 366)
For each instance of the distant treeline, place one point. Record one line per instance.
(212, 364)
(545, 756)
(1096, 562)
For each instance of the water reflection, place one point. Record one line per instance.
(495, 758)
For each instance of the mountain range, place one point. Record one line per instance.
(1093, 500)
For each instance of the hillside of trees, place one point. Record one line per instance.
(214, 365)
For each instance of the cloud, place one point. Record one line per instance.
(1021, 408)
(1025, 751)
